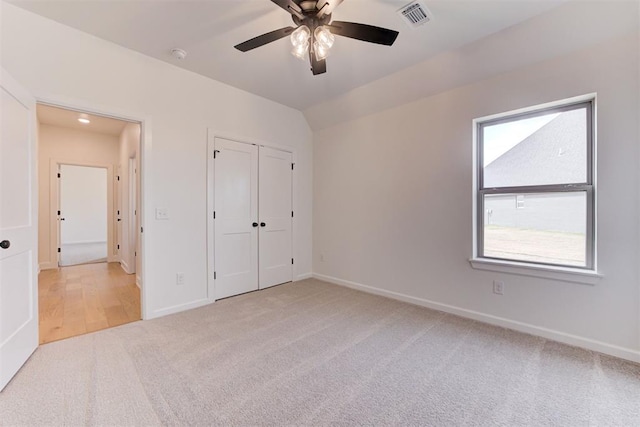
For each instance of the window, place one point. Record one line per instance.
(535, 194)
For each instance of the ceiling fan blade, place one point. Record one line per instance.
(318, 67)
(366, 33)
(264, 39)
(290, 6)
(326, 7)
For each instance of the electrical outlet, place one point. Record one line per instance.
(179, 279)
(498, 287)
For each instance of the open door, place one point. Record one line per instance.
(18, 231)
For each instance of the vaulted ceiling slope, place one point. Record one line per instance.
(466, 41)
(208, 30)
(571, 27)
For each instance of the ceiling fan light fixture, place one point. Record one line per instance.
(321, 50)
(301, 51)
(324, 36)
(300, 36)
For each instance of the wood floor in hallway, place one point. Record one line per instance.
(85, 298)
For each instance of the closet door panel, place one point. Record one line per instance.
(275, 203)
(236, 210)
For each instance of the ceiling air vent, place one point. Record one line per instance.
(415, 14)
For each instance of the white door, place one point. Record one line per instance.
(276, 214)
(236, 218)
(18, 232)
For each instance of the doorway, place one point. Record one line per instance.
(83, 217)
(83, 285)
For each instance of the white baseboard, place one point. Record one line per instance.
(303, 276)
(84, 242)
(180, 307)
(47, 265)
(138, 281)
(574, 340)
(125, 267)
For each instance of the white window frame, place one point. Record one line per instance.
(588, 273)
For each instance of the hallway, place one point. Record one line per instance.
(85, 298)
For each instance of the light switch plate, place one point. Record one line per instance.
(162, 213)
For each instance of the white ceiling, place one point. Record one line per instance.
(208, 30)
(61, 117)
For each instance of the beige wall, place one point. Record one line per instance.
(393, 202)
(68, 66)
(56, 144)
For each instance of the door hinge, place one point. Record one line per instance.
(292, 165)
(214, 214)
(135, 212)
(135, 254)
(118, 177)
(291, 214)
(215, 153)
(58, 213)
(59, 250)
(142, 229)
(118, 246)
(214, 275)
(58, 175)
(291, 260)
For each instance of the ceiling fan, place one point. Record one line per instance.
(313, 35)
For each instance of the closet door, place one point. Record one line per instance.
(236, 216)
(275, 217)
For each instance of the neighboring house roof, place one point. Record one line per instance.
(555, 154)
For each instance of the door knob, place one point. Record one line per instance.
(262, 224)
(255, 224)
(119, 220)
(5, 244)
(61, 219)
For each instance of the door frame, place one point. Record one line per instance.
(54, 223)
(211, 140)
(132, 217)
(145, 198)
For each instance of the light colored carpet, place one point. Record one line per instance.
(311, 353)
(83, 253)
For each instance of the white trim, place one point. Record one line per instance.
(564, 274)
(146, 195)
(85, 242)
(47, 266)
(570, 339)
(179, 308)
(303, 277)
(138, 281)
(125, 267)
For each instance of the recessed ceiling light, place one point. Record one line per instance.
(84, 121)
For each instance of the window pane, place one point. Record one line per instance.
(548, 149)
(549, 228)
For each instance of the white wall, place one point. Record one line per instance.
(71, 146)
(83, 202)
(59, 63)
(129, 149)
(393, 201)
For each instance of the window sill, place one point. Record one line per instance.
(565, 274)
